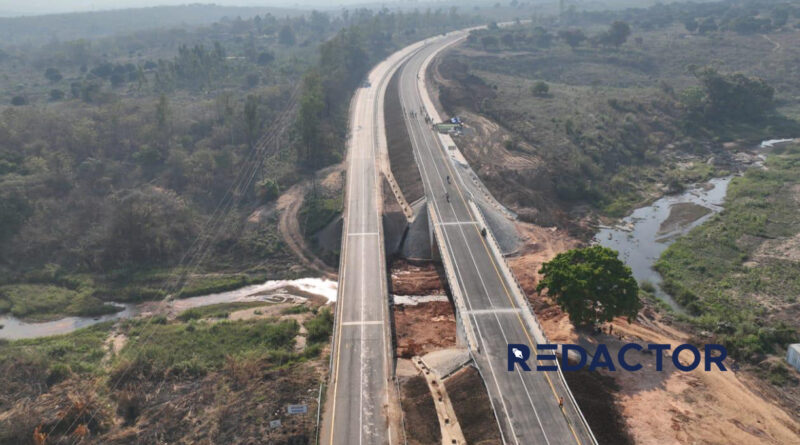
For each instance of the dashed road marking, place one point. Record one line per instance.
(493, 311)
(361, 323)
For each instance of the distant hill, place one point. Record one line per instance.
(36, 30)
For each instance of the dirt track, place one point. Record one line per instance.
(289, 205)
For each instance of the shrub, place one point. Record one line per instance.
(320, 327)
(540, 89)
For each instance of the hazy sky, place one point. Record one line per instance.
(16, 7)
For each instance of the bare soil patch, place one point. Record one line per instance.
(422, 425)
(401, 154)
(473, 408)
(424, 328)
(416, 278)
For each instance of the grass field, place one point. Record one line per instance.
(739, 273)
(612, 131)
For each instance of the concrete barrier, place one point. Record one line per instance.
(455, 288)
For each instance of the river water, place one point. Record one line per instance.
(641, 237)
(273, 290)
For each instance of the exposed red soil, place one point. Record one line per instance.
(416, 278)
(424, 328)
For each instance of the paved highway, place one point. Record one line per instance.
(526, 403)
(360, 396)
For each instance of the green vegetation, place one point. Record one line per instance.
(317, 212)
(540, 88)
(738, 274)
(158, 155)
(296, 309)
(635, 107)
(195, 349)
(212, 284)
(591, 284)
(320, 327)
(44, 302)
(52, 357)
(252, 363)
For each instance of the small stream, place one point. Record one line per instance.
(641, 237)
(272, 291)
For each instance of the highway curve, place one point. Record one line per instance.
(360, 398)
(526, 403)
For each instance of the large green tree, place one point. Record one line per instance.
(591, 284)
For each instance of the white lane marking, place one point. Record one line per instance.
(362, 358)
(486, 291)
(361, 323)
(483, 284)
(457, 223)
(424, 170)
(363, 234)
(494, 311)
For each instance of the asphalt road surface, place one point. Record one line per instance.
(526, 403)
(360, 391)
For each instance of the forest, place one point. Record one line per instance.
(130, 158)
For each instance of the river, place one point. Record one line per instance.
(641, 237)
(271, 291)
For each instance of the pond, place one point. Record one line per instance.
(272, 291)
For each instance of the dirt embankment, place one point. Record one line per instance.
(669, 407)
(416, 278)
(289, 204)
(508, 165)
(401, 154)
(473, 408)
(422, 425)
(424, 326)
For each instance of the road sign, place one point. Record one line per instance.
(275, 424)
(297, 409)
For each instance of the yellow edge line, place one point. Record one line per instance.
(340, 312)
(508, 294)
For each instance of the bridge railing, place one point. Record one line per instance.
(455, 287)
(523, 302)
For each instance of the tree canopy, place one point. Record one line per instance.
(573, 37)
(733, 97)
(616, 35)
(591, 284)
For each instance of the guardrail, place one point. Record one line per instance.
(523, 302)
(455, 288)
(505, 268)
